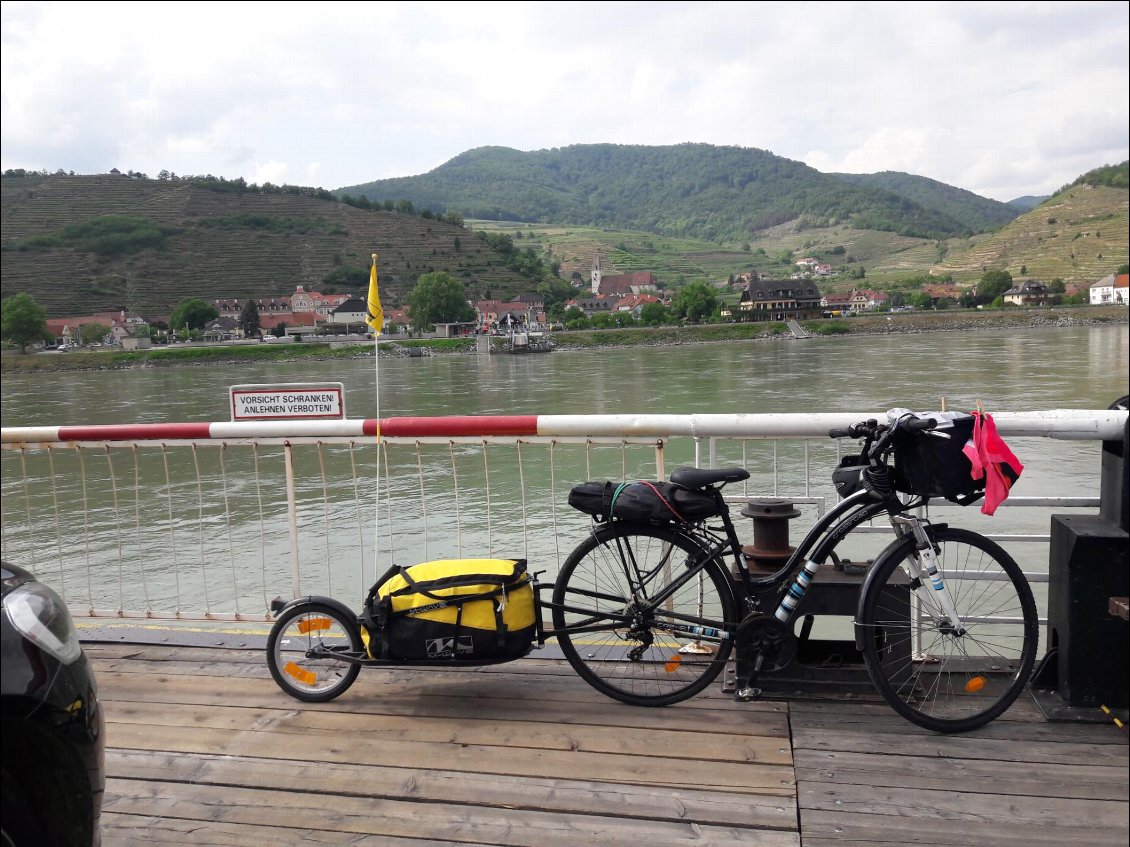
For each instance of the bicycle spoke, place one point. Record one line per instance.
(645, 657)
(941, 677)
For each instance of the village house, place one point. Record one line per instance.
(836, 303)
(350, 316)
(593, 305)
(778, 300)
(1110, 289)
(313, 301)
(495, 312)
(233, 307)
(867, 300)
(634, 303)
(131, 332)
(1030, 292)
(301, 324)
(533, 302)
(942, 291)
(223, 328)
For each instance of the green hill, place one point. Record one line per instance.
(978, 213)
(79, 244)
(93, 243)
(686, 190)
(1079, 233)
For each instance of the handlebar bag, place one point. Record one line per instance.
(643, 502)
(935, 462)
(453, 609)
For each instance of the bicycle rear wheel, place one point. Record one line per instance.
(313, 628)
(939, 677)
(623, 643)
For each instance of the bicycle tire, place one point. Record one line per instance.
(950, 681)
(301, 628)
(648, 664)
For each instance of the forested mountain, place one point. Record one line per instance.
(80, 244)
(700, 190)
(979, 213)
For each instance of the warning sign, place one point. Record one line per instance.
(287, 402)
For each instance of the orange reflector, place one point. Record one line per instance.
(301, 674)
(673, 663)
(976, 684)
(313, 624)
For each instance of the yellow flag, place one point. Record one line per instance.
(376, 315)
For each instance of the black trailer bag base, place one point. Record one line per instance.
(452, 609)
(932, 463)
(642, 502)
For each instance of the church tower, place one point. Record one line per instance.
(597, 273)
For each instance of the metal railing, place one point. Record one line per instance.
(209, 521)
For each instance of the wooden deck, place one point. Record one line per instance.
(203, 748)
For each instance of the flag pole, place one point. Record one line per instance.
(375, 318)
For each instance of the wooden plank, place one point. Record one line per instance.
(457, 682)
(532, 734)
(964, 747)
(450, 786)
(379, 749)
(1089, 781)
(170, 832)
(447, 700)
(851, 829)
(194, 661)
(368, 816)
(935, 808)
(818, 718)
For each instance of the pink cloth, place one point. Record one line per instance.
(992, 459)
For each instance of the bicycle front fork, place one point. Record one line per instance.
(925, 569)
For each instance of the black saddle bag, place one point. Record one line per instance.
(643, 502)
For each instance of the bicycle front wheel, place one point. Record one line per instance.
(941, 677)
(644, 614)
(301, 648)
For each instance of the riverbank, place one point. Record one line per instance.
(893, 324)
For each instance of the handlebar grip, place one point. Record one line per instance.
(920, 424)
(839, 433)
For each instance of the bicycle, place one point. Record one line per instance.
(646, 612)
(946, 623)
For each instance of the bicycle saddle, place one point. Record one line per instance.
(695, 478)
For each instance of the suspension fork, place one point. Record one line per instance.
(926, 563)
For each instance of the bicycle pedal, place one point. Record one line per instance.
(746, 695)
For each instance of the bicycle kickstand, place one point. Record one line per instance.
(746, 692)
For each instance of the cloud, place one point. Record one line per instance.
(1001, 99)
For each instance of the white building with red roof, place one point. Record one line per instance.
(1109, 290)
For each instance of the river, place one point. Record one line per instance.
(1008, 370)
(1004, 370)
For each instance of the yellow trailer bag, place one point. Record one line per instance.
(454, 609)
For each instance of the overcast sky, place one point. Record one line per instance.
(1003, 99)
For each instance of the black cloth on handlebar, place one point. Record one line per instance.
(934, 462)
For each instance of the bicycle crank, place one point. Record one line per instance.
(763, 645)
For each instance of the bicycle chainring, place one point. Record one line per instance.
(764, 635)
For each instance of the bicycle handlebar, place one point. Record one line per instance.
(872, 428)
